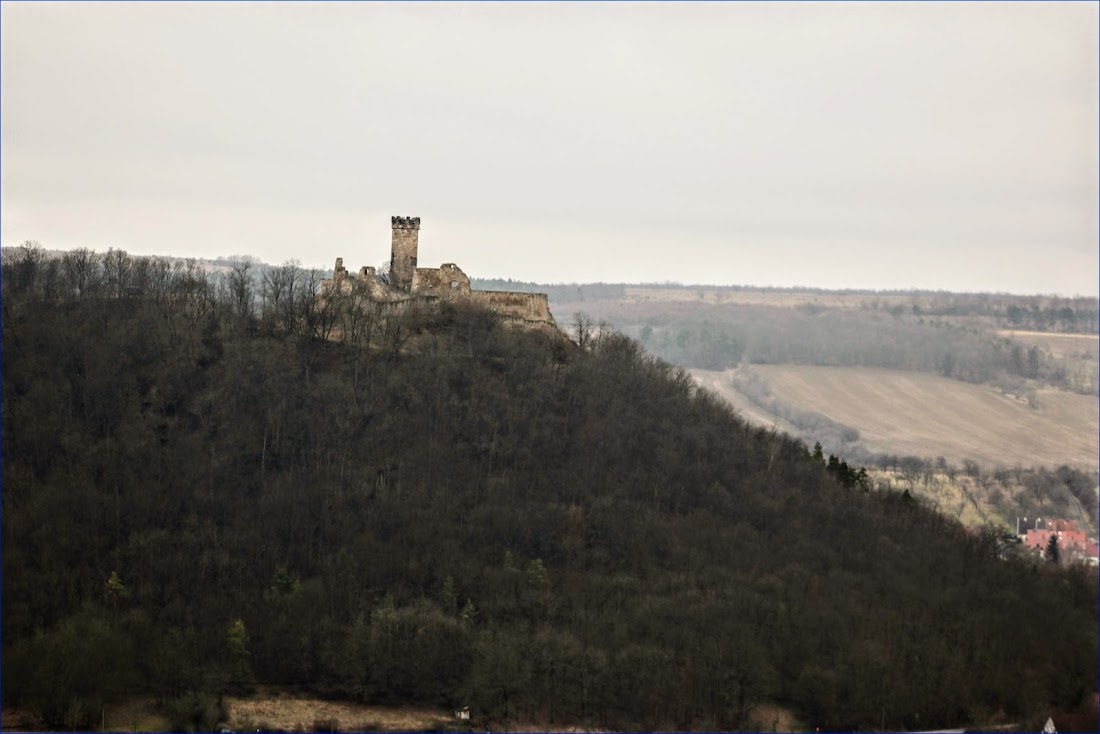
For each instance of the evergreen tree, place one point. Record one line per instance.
(1054, 553)
(240, 670)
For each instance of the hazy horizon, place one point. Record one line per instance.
(932, 146)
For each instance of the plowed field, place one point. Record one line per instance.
(919, 414)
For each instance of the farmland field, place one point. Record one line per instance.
(1060, 345)
(915, 413)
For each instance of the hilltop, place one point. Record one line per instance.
(203, 494)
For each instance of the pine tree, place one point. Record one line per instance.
(240, 669)
(1054, 553)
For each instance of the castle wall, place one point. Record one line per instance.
(447, 282)
(340, 282)
(375, 289)
(365, 284)
(510, 305)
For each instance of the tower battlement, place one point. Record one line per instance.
(405, 222)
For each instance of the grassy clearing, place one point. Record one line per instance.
(767, 717)
(919, 414)
(290, 712)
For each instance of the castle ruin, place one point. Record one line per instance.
(407, 284)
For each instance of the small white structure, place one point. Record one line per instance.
(463, 714)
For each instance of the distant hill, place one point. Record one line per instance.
(201, 494)
(627, 302)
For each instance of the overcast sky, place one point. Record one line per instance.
(946, 146)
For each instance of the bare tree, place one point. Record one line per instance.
(22, 274)
(82, 272)
(582, 329)
(117, 269)
(279, 288)
(383, 272)
(240, 285)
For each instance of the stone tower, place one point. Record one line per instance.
(406, 230)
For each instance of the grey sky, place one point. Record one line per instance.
(867, 145)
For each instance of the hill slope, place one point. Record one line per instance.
(198, 495)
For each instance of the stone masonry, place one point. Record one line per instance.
(408, 283)
(406, 231)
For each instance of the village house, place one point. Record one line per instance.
(1072, 542)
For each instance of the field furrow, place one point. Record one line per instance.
(920, 414)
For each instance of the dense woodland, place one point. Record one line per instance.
(202, 492)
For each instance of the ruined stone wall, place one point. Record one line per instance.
(519, 306)
(375, 289)
(365, 284)
(406, 231)
(409, 285)
(340, 282)
(448, 282)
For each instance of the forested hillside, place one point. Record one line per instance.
(202, 493)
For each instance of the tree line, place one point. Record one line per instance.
(1048, 313)
(722, 337)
